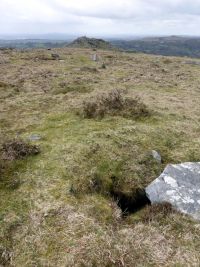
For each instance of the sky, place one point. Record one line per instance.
(100, 17)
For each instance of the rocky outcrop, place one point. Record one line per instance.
(178, 185)
(93, 43)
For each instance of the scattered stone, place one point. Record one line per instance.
(156, 156)
(35, 137)
(178, 185)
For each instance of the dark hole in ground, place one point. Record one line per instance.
(131, 203)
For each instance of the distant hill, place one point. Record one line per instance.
(85, 42)
(167, 46)
(32, 43)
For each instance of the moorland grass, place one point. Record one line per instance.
(56, 208)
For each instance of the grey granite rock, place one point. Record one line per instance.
(178, 185)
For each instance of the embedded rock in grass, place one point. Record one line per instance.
(178, 185)
(35, 137)
(156, 156)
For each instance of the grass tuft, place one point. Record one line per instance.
(157, 212)
(18, 149)
(114, 103)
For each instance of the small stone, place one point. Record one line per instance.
(35, 137)
(156, 156)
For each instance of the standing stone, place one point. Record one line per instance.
(95, 57)
(178, 185)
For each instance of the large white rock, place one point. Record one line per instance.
(178, 185)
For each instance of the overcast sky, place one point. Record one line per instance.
(100, 17)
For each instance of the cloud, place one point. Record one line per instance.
(127, 9)
(99, 17)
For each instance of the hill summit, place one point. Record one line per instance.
(85, 42)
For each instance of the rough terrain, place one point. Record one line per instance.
(59, 207)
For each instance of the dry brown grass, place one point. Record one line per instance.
(157, 212)
(83, 241)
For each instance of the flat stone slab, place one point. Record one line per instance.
(178, 185)
(35, 137)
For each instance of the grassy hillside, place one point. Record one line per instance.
(97, 123)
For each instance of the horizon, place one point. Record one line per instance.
(68, 37)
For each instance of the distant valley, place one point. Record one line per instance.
(166, 46)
